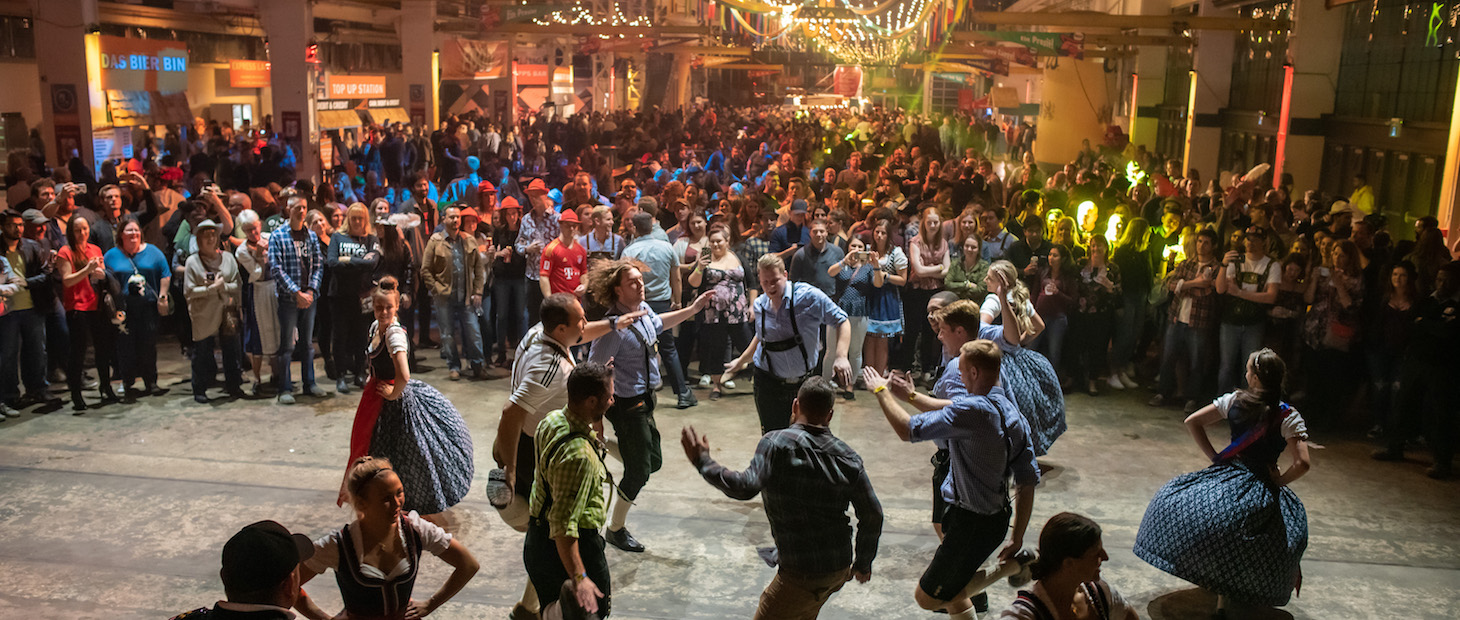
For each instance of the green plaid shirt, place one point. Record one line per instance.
(575, 473)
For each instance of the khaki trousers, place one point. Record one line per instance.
(796, 597)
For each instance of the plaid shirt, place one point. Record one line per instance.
(807, 477)
(575, 473)
(1203, 300)
(288, 267)
(536, 229)
(750, 251)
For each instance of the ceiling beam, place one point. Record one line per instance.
(1097, 40)
(589, 30)
(1090, 19)
(150, 17)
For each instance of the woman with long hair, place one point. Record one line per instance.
(509, 281)
(1137, 276)
(351, 258)
(1428, 256)
(140, 277)
(397, 261)
(967, 273)
(377, 557)
(854, 275)
(83, 277)
(1391, 327)
(929, 257)
(1331, 328)
(408, 421)
(690, 245)
(1026, 375)
(884, 309)
(1236, 528)
(728, 315)
(1067, 576)
(1058, 290)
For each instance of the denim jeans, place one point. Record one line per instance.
(1128, 324)
(291, 317)
(1183, 337)
(458, 317)
(23, 351)
(1051, 342)
(205, 368)
(1237, 344)
(509, 299)
(1384, 367)
(668, 354)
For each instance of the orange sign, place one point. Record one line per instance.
(355, 87)
(532, 75)
(248, 73)
(143, 64)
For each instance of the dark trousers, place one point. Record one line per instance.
(205, 368)
(351, 334)
(632, 418)
(1331, 377)
(137, 346)
(668, 353)
(686, 343)
(773, 396)
(58, 337)
(423, 313)
(969, 538)
(1426, 404)
(713, 339)
(918, 337)
(509, 300)
(325, 317)
(534, 302)
(545, 568)
(90, 327)
(1195, 343)
(526, 465)
(23, 350)
(1090, 353)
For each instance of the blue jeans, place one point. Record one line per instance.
(668, 354)
(509, 299)
(291, 317)
(1179, 337)
(23, 351)
(1384, 366)
(452, 314)
(1237, 344)
(1128, 323)
(1051, 342)
(205, 368)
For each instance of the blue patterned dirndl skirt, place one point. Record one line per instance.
(1033, 385)
(428, 445)
(1228, 530)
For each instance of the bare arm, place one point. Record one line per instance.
(1023, 505)
(670, 319)
(509, 428)
(587, 591)
(465, 567)
(1196, 425)
(1299, 448)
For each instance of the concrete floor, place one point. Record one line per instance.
(122, 512)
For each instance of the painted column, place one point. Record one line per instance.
(1149, 78)
(289, 29)
(1314, 48)
(68, 91)
(1213, 76)
(417, 31)
(1074, 106)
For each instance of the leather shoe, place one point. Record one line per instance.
(623, 540)
(687, 399)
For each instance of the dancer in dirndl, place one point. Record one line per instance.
(1026, 375)
(407, 421)
(1236, 528)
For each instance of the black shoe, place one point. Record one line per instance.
(156, 390)
(849, 395)
(342, 386)
(109, 396)
(981, 602)
(78, 406)
(201, 399)
(623, 540)
(686, 400)
(236, 392)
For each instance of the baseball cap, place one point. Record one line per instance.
(508, 202)
(798, 206)
(568, 215)
(261, 555)
(34, 216)
(537, 186)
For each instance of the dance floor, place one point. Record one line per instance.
(122, 512)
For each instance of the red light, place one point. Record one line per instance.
(311, 53)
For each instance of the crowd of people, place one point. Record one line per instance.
(827, 252)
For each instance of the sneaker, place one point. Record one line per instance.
(687, 400)
(1157, 401)
(705, 382)
(520, 612)
(729, 385)
(1129, 381)
(315, 390)
(1093, 388)
(1376, 432)
(623, 540)
(454, 375)
(499, 495)
(342, 386)
(286, 399)
(1114, 382)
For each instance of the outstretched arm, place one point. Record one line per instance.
(734, 484)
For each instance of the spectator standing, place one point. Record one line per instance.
(929, 260)
(1094, 320)
(1250, 284)
(212, 285)
(966, 274)
(83, 279)
(453, 272)
(140, 278)
(260, 298)
(539, 227)
(727, 316)
(1131, 255)
(662, 293)
(1054, 300)
(352, 258)
(1193, 324)
(1330, 331)
(884, 309)
(509, 280)
(298, 266)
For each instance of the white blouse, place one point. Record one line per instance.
(1293, 425)
(327, 548)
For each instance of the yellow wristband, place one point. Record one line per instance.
(912, 396)
(879, 389)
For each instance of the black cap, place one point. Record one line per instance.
(260, 556)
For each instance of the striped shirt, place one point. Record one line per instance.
(574, 471)
(540, 377)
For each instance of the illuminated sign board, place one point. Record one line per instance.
(248, 73)
(354, 86)
(142, 64)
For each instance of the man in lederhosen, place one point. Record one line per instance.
(787, 343)
(619, 286)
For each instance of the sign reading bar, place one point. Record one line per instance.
(248, 73)
(143, 64)
(354, 86)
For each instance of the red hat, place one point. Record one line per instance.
(508, 202)
(470, 212)
(172, 174)
(568, 215)
(537, 186)
(486, 186)
(134, 165)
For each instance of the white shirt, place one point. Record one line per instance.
(540, 377)
(1293, 425)
(434, 540)
(1274, 274)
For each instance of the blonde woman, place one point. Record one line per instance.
(1026, 375)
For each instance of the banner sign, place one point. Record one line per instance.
(465, 59)
(143, 64)
(847, 81)
(248, 73)
(354, 86)
(532, 75)
(1069, 44)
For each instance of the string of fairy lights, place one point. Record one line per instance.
(854, 31)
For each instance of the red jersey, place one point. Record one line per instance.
(564, 266)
